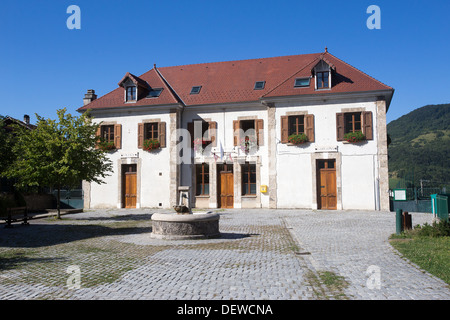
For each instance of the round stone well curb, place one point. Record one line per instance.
(173, 226)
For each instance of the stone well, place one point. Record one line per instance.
(183, 224)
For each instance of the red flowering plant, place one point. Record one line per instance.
(106, 145)
(353, 137)
(199, 144)
(151, 144)
(248, 143)
(298, 138)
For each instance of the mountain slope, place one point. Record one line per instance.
(420, 144)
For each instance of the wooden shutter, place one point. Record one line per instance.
(309, 127)
(213, 132)
(191, 134)
(236, 132)
(162, 134)
(259, 125)
(118, 136)
(367, 125)
(284, 129)
(140, 135)
(340, 126)
(98, 134)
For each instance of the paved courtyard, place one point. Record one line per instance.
(262, 254)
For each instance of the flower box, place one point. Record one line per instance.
(107, 145)
(298, 138)
(151, 144)
(354, 137)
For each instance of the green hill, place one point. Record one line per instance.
(420, 146)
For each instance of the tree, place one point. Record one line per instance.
(6, 143)
(59, 153)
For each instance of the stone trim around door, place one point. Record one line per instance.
(326, 156)
(130, 160)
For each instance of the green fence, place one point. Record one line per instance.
(439, 205)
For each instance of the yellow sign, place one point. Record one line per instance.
(263, 188)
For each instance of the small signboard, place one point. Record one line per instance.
(399, 194)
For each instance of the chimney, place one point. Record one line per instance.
(89, 96)
(26, 119)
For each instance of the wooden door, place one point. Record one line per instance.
(327, 192)
(226, 197)
(130, 187)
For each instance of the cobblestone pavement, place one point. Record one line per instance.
(262, 254)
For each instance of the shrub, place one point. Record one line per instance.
(440, 229)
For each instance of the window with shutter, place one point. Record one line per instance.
(348, 122)
(297, 124)
(152, 131)
(110, 136)
(250, 130)
(203, 132)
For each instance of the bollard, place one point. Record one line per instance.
(398, 221)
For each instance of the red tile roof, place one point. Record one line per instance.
(234, 81)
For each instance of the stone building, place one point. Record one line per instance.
(270, 133)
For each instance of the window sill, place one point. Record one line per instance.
(298, 144)
(202, 196)
(250, 196)
(357, 142)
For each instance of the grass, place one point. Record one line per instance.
(428, 247)
(328, 285)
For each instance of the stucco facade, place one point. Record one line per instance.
(273, 173)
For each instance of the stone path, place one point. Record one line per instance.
(262, 254)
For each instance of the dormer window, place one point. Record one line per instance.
(322, 79)
(322, 73)
(131, 93)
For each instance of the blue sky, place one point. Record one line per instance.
(45, 66)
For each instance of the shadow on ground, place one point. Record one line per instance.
(41, 235)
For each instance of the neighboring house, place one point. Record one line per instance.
(230, 106)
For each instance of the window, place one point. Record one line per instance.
(354, 121)
(259, 85)
(107, 133)
(252, 130)
(131, 93)
(301, 82)
(196, 90)
(248, 179)
(296, 124)
(151, 131)
(204, 131)
(154, 93)
(202, 179)
(322, 79)
(110, 133)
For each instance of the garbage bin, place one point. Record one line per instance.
(439, 206)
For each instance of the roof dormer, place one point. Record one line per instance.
(322, 73)
(135, 87)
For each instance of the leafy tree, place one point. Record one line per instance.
(6, 143)
(59, 153)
